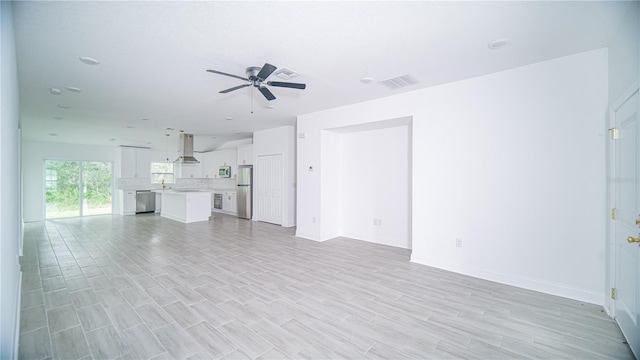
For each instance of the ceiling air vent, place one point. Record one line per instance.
(400, 82)
(285, 74)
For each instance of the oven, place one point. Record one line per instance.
(217, 201)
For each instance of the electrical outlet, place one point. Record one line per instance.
(379, 222)
(375, 222)
(458, 242)
(313, 219)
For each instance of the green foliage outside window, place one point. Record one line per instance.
(63, 184)
(161, 171)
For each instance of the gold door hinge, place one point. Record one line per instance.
(614, 294)
(614, 213)
(615, 133)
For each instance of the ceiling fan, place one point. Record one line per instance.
(256, 76)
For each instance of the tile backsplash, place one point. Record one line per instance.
(134, 184)
(190, 183)
(202, 183)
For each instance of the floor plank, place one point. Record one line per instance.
(146, 287)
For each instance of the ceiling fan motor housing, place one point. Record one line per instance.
(252, 72)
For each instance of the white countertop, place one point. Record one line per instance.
(185, 191)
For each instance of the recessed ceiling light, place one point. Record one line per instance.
(64, 106)
(148, 142)
(167, 134)
(228, 118)
(170, 129)
(129, 127)
(181, 130)
(145, 119)
(53, 134)
(58, 117)
(73, 89)
(55, 91)
(112, 139)
(366, 80)
(498, 43)
(89, 61)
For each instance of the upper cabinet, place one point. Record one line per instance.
(208, 170)
(135, 162)
(245, 155)
(212, 161)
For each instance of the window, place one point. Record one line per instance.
(161, 171)
(51, 179)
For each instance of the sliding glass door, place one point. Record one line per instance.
(77, 188)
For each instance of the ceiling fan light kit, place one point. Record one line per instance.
(256, 76)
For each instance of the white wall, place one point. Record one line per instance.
(33, 156)
(512, 163)
(331, 195)
(280, 140)
(10, 216)
(234, 144)
(624, 54)
(374, 184)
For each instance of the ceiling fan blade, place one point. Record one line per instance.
(268, 94)
(287, 85)
(225, 74)
(266, 70)
(234, 88)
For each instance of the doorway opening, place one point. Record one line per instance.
(366, 182)
(77, 188)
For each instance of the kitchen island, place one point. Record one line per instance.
(186, 206)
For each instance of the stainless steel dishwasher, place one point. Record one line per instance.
(145, 201)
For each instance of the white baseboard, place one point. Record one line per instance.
(307, 236)
(16, 334)
(547, 287)
(381, 241)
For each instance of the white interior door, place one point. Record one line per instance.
(269, 189)
(626, 182)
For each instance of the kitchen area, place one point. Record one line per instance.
(189, 188)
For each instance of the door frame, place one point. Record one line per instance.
(257, 171)
(610, 192)
(44, 190)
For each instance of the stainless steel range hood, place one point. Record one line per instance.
(186, 150)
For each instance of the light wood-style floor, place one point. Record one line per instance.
(145, 287)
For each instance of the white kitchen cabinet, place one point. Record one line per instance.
(158, 201)
(186, 207)
(188, 171)
(229, 202)
(135, 162)
(245, 155)
(229, 157)
(208, 169)
(128, 201)
(226, 157)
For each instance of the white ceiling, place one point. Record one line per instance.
(153, 56)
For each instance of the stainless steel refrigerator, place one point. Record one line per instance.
(244, 194)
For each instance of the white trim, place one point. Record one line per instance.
(16, 334)
(307, 236)
(625, 96)
(571, 292)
